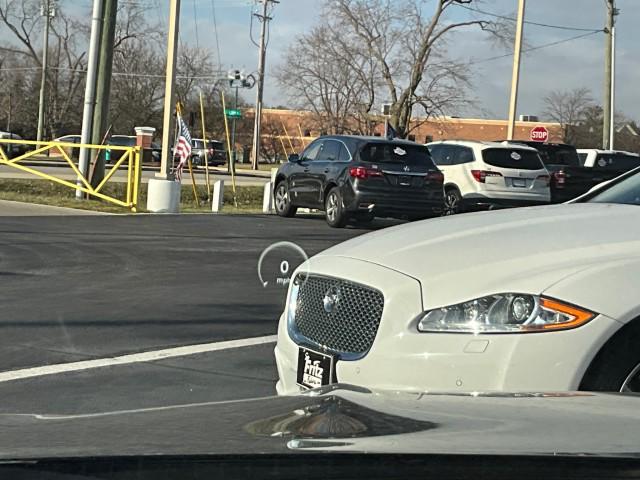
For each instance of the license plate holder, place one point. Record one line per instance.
(315, 369)
(519, 182)
(404, 181)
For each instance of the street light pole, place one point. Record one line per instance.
(515, 79)
(608, 106)
(46, 10)
(166, 161)
(233, 133)
(264, 18)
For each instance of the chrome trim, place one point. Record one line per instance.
(301, 341)
(634, 372)
(406, 174)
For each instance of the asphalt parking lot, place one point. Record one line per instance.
(89, 288)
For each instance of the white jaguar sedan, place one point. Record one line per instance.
(532, 299)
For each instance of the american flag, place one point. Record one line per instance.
(183, 146)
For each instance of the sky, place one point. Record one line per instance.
(569, 65)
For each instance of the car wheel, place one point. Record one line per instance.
(334, 210)
(452, 199)
(283, 201)
(616, 368)
(363, 219)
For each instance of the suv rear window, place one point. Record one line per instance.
(380, 152)
(618, 161)
(556, 155)
(512, 158)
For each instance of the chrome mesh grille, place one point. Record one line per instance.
(352, 325)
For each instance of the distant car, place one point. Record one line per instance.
(616, 160)
(359, 178)
(13, 150)
(570, 177)
(214, 152)
(120, 141)
(68, 139)
(482, 175)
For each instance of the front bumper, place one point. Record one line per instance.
(403, 359)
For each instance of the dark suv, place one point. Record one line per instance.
(359, 178)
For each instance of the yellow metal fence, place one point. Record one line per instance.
(130, 157)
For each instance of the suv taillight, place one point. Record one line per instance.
(559, 178)
(363, 173)
(545, 178)
(435, 177)
(481, 175)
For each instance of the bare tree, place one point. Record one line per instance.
(406, 45)
(570, 108)
(328, 75)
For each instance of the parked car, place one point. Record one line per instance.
(120, 141)
(569, 177)
(359, 178)
(534, 299)
(215, 152)
(617, 161)
(13, 150)
(482, 175)
(72, 152)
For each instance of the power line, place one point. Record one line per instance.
(195, 24)
(215, 28)
(532, 49)
(504, 17)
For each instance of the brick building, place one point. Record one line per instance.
(291, 130)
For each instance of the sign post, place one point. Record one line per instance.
(539, 134)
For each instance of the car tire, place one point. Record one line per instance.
(452, 200)
(282, 201)
(363, 219)
(616, 367)
(334, 209)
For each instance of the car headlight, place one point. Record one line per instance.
(505, 313)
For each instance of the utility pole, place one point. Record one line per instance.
(515, 78)
(166, 161)
(90, 91)
(103, 84)
(608, 127)
(47, 13)
(264, 18)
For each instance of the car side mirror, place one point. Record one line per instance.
(294, 157)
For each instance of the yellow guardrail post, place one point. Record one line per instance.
(136, 180)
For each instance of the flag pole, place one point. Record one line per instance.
(206, 158)
(193, 178)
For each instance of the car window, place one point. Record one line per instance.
(311, 151)
(626, 191)
(441, 154)
(558, 155)
(512, 158)
(462, 155)
(199, 144)
(122, 141)
(583, 158)
(620, 161)
(216, 145)
(380, 152)
(344, 155)
(330, 151)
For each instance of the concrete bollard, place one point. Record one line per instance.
(218, 196)
(267, 198)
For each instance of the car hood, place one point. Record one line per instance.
(524, 250)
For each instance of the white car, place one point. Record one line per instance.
(488, 174)
(615, 159)
(533, 299)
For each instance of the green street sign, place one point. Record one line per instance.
(233, 113)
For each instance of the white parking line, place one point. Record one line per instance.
(149, 356)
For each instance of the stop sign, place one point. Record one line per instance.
(539, 134)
